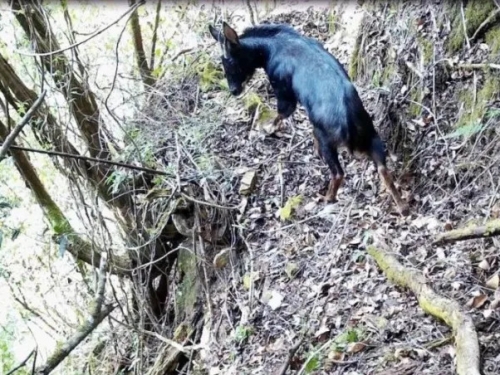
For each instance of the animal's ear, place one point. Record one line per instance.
(230, 34)
(214, 32)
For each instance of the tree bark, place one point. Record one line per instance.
(466, 341)
(81, 100)
(83, 331)
(78, 247)
(140, 54)
(48, 132)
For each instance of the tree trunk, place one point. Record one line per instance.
(140, 54)
(78, 247)
(48, 132)
(81, 101)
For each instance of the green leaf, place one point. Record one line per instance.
(312, 364)
(285, 212)
(1, 238)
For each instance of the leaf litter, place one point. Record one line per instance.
(306, 273)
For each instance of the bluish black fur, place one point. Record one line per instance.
(301, 70)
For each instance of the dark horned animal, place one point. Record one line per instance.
(301, 70)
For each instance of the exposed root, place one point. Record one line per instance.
(490, 229)
(466, 341)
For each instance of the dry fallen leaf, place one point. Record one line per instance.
(356, 347)
(248, 278)
(336, 356)
(477, 301)
(275, 301)
(291, 269)
(247, 183)
(222, 258)
(493, 282)
(484, 265)
(487, 313)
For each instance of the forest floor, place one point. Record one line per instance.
(309, 273)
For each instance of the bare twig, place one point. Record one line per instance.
(155, 36)
(478, 66)
(464, 23)
(250, 10)
(97, 315)
(17, 129)
(290, 355)
(131, 9)
(485, 22)
(22, 364)
(88, 158)
(180, 53)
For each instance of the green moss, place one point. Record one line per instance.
(355, 59)
(332, 22)
(476, 11)
(427, 49)
(474, 111)
(252, 101)
(493, 40)
(387, 74)
(416, 96)
(266, 114)
(210, 75)
(188, 289)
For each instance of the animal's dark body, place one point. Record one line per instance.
(302, 71)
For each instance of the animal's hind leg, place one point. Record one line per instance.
(377, 154)
(329, 154)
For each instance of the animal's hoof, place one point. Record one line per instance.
(327, 198)
(405, 210)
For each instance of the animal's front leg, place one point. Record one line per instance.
(286, 107)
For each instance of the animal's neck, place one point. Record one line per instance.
(258, 49)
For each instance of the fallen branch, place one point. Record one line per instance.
(290, 356)
(468, 66)
(490, 229)
(17, 129)
(479, 66)
(466, 341)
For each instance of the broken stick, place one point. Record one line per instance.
(466, 341)
(490, 229)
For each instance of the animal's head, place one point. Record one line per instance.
(238, 63)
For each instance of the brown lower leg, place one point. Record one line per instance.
(316, 146)
(333, 188)
(279, 121)
(386, 177)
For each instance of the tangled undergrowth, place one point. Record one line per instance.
(305, 273)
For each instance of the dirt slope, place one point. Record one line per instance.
(310, 273)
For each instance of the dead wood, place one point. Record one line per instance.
(466, 340)
(490, 229)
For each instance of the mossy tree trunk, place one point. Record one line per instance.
(77, 246)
